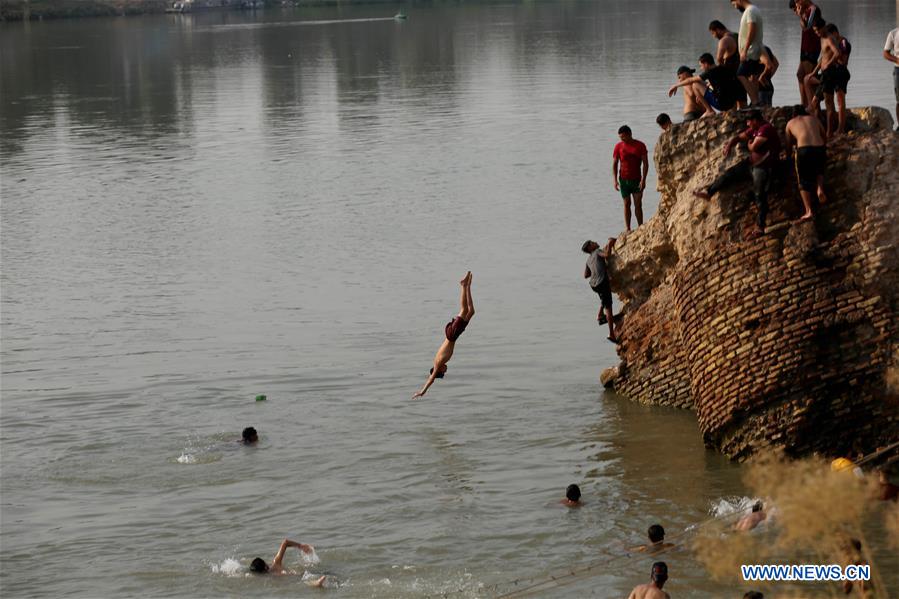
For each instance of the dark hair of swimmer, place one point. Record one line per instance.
(249, 435)
(799, 110)
(707, 59)
(757, 506)
(659, 573)
(663, 119)
(656, 533)
(753, 595)
(717, 26)
(624, 129)
(439, 374)
(258, 566)
(573, 493)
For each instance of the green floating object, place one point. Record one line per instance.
(260, 398)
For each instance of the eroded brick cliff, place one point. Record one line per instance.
(788, 340)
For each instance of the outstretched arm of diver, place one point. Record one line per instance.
(427, 384)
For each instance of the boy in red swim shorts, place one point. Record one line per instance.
(453, 329)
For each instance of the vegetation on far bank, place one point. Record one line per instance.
(18, 10)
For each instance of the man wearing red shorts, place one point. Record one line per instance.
(453, 329)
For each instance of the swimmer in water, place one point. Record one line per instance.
(653, 589)
(249, 436)
(572, 497)
(258, 565)
(453, 329)
(750, 521)
(657, 542)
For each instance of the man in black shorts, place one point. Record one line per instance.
(806, 133)
(453, 329)
(595, 271)
(750, 43)
(831, 77)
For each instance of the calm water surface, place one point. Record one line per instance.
(198, 209)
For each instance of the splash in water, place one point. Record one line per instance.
(309, 559)
(732, 506)
(229, 567)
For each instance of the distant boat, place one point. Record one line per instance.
(400, 16)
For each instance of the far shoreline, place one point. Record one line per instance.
(38, 10)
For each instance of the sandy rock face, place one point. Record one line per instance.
(785, 341)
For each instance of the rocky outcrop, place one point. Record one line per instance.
(784, 341)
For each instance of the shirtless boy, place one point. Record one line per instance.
(258, 565)
(657, 542)
(806, 133)
(453, 329)
(753, 519)
(832, 75)
(653, 589)
(695, 105)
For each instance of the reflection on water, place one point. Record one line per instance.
(197, 209)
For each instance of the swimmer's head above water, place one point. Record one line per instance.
(249, 436)
(656, 533)
(258, 566)
(440, 373)
(573, 493)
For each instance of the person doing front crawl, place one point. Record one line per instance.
(453, 329)
(258, 565)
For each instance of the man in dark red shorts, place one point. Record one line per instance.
(810, 44)
(453, 329)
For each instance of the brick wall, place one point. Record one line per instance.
(787, 341)
(782, 345)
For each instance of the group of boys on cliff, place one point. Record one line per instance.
(743, 68)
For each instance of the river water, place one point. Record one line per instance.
(197, 209)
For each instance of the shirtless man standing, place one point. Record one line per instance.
(806, 133)
(831, 74)
(653, 589)
(727, 54)
(258, 565)
(453, 329)
(695, 105)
